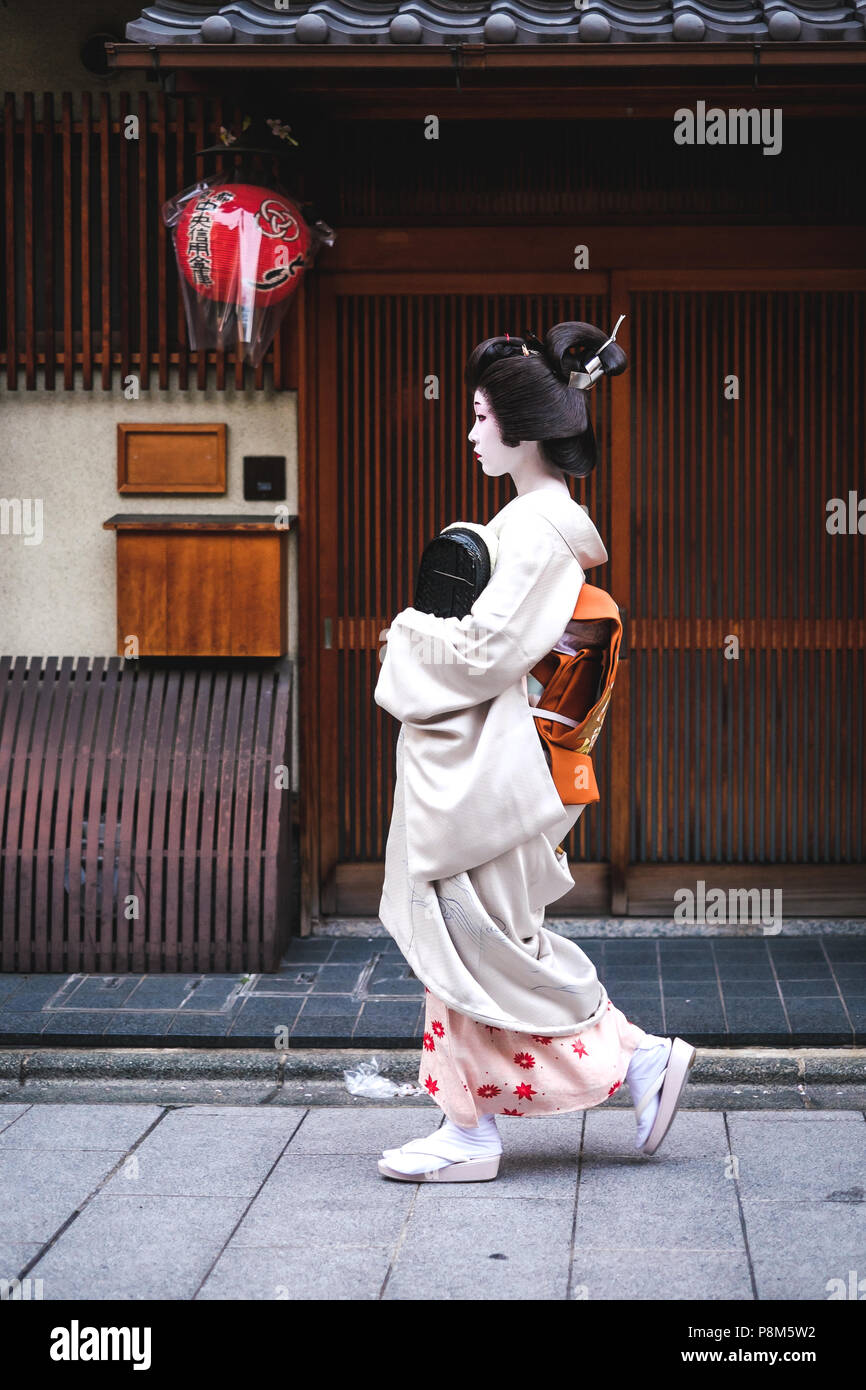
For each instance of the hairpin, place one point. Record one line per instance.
(494, 352)
(593, 369)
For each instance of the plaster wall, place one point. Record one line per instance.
(58, 594)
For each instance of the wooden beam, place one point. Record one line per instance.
(620, 584)
(808, 890)
(530, 58)
(309, 623)
(752, 251)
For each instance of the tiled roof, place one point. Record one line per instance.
(446, 22)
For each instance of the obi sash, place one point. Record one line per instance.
(577, 683)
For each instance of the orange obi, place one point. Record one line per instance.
(577, 689)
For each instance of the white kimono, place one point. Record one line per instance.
(471, 859)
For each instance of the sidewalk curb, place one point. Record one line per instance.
(743, 1078)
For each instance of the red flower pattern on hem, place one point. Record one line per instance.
(526, 1060)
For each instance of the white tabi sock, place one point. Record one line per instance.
(647, 1063)
(450, 1143)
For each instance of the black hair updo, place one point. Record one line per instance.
(530, 396)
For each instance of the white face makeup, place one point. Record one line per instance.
(494, 456)
(528, 469)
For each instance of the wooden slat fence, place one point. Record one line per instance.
(145, 822)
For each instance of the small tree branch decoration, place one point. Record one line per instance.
(277, 128)
(282, 131)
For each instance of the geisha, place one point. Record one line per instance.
(517, 1021)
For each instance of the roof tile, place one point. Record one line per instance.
(387, 22)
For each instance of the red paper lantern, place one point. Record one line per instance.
(241, 244)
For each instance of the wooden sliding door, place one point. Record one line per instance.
(395, 466)
(734, 748)
(746, 638)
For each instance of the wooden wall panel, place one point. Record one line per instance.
(757, 759)
(241, 610)
(721, 511)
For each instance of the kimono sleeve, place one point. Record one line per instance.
(433, 666)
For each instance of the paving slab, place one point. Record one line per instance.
(275, 1203)
(485, 1248)
(646, 1277)
(75, 1126)
(42, 1188)
(789, 1156)
(138, 1247)
(799, 1248)
(342, 1273)
(180, 1164)
(276, 1217)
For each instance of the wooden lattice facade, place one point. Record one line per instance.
(89, 279)
(745, 769)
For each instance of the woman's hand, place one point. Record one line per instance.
(590, 632)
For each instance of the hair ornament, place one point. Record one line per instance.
(593, 369)
(534, 343)
(497, 350)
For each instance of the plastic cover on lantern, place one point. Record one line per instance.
(242, 248)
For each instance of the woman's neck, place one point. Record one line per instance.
(530, 471)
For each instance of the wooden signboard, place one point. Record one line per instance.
(171, 458)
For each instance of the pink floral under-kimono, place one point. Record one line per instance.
(471, 1069)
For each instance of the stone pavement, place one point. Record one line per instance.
(733, 991)
(147, 1201)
